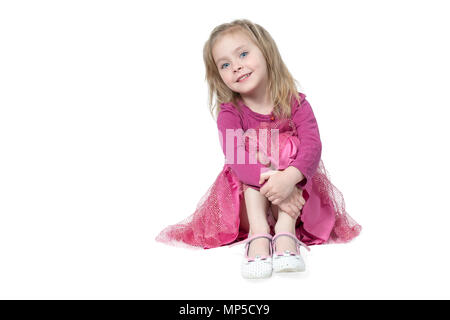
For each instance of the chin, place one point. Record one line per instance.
(247, 90)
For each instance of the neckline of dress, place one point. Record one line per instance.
(260, 115)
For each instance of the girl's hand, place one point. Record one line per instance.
(293, 203)
(277, 188)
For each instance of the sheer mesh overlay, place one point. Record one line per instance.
(215, 221)
(345, 228)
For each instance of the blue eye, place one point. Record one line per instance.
(241, 55)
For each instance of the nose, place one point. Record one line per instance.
(237, 67)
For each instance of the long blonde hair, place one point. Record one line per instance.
(282, 85)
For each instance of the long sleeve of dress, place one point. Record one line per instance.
(309, 153)
(246, 171)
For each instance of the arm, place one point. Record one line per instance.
(310, 150)
(247, 173)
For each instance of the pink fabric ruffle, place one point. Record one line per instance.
(216, 219)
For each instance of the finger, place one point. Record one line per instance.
(295, 204)
(276, 201)
(287, 209)
(267, 174)
(302, 200)
(264, 190)
(298, 204)
(292, 213)
(273, 194)
(296, 210)
(263, 178)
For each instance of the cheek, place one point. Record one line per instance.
(261, 63)
(227, 78)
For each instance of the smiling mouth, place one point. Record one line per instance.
(246, 77)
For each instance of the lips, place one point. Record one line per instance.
(238, 80)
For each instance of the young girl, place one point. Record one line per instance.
(273, 191)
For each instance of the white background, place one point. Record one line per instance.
(106, 138)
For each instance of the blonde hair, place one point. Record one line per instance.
(282, 85)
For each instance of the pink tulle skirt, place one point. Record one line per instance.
(216, 220)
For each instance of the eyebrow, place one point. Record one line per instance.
(224, 58)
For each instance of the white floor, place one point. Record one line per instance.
(358, 270)
(114, 256)
(106, 138)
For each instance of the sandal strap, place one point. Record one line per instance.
(298, 242)
(250, 239)
(255, 236)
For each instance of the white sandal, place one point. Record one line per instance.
(288, 261)
(260, 266)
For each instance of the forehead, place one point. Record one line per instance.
(226, 45)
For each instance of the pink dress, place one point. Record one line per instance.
(284, 142)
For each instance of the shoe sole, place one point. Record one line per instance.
(256, 277)
(289, 269)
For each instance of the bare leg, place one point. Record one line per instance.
(243, 218)
(285, 223)
(256, 207)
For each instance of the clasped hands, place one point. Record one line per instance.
(280, 191)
